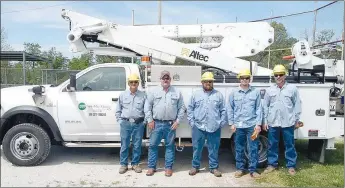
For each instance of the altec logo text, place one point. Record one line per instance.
(195, 54)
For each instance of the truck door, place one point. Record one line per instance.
(88, 114)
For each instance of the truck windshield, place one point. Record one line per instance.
(103, 79)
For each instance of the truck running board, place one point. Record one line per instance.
(95, 145)
(145, 143)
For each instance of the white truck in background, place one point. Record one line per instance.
(80, 112)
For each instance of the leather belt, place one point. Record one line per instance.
(164, 121)
(132, 120)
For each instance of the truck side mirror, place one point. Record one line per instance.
(72, 82)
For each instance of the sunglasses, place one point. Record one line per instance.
(276, 75)
(244, 78)
(210, 82)
(165, 78)
(133, 82)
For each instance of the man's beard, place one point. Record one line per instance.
(210, 88)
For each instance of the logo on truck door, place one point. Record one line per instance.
(81, 106)
(176, 77)
(195, 54)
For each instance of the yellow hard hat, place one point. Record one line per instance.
(207, 76)
(133, 77)
(279, 69)
(244, 72)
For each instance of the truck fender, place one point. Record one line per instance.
(35, 111)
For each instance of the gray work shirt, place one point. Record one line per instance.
(207, 111)
(282, 106)
(164, 105)
(130, 105)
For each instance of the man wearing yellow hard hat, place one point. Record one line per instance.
(206, 114)
(130, 115)
(245, 118)
(282, 111)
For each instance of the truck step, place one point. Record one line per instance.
(85, 144)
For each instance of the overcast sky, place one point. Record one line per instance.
(41, 22)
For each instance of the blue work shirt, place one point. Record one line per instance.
(244, 108)
(282, 107)
(206, 110)
(130, 105)
(164, 105)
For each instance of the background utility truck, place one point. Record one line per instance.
(80, 112)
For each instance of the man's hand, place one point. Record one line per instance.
(258, 128)
(233, 128)
(265, 127)
(174, 125)
(299, 124)
(152, 125)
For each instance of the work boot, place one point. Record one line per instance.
(216, 172)
(292, 171)
(123, 169)
(239, 173)
(269, 169)
(150, 172)
(193, 171)
(168, 172)
(254, 175)
(136, 168)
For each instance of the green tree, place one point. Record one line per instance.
(326, 36)
(34, 49)
(80, 63)
(4, 47)
(55, 58)
(106, 59)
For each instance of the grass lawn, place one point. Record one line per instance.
(310, 173)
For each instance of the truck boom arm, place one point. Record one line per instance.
(239, 39)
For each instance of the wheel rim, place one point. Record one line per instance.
(24, 146)
(263, 147)
(262, 151)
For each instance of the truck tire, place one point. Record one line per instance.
(26, 144)
(263, 146)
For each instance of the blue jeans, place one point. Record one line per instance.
(162, 130)
(289, 142)
(135, 131)
(213, 143)
(243, 140)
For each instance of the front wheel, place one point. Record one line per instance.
(26, 144)
(263, 147)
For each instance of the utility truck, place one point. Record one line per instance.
(80, 112)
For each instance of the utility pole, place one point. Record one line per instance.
(314, 27)
(269, 48)
(133, 17)
(132, 25)
(343, 46)
(159, 12)
(343, 37)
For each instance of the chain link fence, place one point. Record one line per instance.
(14, 76)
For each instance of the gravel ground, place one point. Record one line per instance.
(68, 167)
